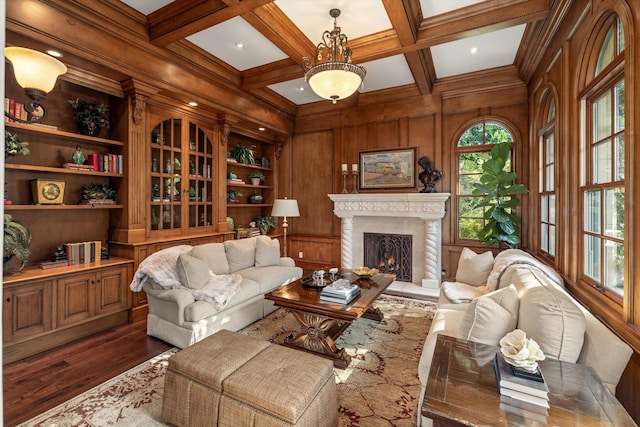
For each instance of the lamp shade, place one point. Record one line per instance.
(33, 69)
(285, 207)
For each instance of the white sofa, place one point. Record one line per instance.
(531, 297)
(172, 276)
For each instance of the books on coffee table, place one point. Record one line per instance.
(530, 388)
(340, 291)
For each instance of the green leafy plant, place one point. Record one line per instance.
(244, 154)
(266, 223)
(13, 145)
(98, 191)
(90, 115)
(502, 226)
(16, 242)
(232, 196)
(256, 174)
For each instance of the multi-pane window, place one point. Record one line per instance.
(603, 178)
(473, 150)
(547, 183)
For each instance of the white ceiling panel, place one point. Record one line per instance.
(238, 44)
(296, 91)
(493, 49)
(437, 7)
(146, 6)
(386, 72)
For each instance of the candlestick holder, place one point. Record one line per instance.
(355, 182)
(344, 182)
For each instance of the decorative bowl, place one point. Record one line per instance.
(365, 272)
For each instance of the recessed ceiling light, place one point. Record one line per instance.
(193, 104)
(54, 53)
(239, 45)
(261, 128)
(300, 89)
(474, 50)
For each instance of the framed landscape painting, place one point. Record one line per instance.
(387, 169)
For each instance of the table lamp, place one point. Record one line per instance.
(285, 208)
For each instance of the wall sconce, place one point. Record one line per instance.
(36, 73)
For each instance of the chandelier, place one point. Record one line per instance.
(337, 78)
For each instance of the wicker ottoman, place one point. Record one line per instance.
(229, 379)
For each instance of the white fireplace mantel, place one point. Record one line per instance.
(428, 207)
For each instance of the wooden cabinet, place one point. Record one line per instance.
(46, 308)
(182, 167)
(242, 208)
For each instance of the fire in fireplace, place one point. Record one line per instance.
(389, 253)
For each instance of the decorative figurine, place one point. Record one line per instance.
(154, 165)
(59, 254)
(428, 176)
(78, 156)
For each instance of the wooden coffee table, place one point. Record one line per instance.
(322, 322)
(462, 391)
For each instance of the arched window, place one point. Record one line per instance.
(472, 151)
(546, 181)
(603, 173)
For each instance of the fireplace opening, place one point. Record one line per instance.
(389, 253)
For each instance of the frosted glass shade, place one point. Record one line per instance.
(33, 69)
(335, 80)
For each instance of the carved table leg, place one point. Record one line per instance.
(316, 336)
(374, 313)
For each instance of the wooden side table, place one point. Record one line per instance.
(462, 391)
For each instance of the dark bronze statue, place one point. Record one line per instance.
(428, 176)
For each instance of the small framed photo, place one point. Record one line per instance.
(387, 169)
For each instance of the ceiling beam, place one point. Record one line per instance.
(181, 19)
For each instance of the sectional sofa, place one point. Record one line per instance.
(529, 296)
(194, 291)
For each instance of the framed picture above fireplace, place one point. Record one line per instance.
(387, 169)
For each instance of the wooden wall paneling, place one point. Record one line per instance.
(317, 252)
(387, 134)
(313, 178)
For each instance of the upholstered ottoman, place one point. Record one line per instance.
(229, 379)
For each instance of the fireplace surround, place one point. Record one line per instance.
(417, 214)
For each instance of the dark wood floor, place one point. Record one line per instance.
(38, 383)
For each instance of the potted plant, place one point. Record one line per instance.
(98, 194)
(91, 117)
(255, 177)
(233, 196)
(13, 145)
(265, 223)
(497, 185)
(16, 243)
(244, 154)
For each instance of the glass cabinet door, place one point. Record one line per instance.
(181, 177)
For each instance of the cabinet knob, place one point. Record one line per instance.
(8, 299)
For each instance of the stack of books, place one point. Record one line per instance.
(340, 291)
(520, 384)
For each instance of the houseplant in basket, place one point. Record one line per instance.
(91, 117)
(265, 223)
(13, 145)
(98, 194)
(16, 244)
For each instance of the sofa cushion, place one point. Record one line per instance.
(215, 256)
(241, 253)
(550, 317)
(267, 251)
(473, 268)
(193, 272)
(199, 310)
(271, 277)
(491, 316)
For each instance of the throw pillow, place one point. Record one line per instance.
(473, 268)
(193, 272)
(267, 252)
(489, 317)
(241, 253)
(553, 320)
(214, 255)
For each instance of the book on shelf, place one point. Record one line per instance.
(77, 166)
(46, 265)
(44, 126)
(533, 389)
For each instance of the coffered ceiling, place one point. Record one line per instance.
(399, 42)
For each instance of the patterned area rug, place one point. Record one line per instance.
(379, 388)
